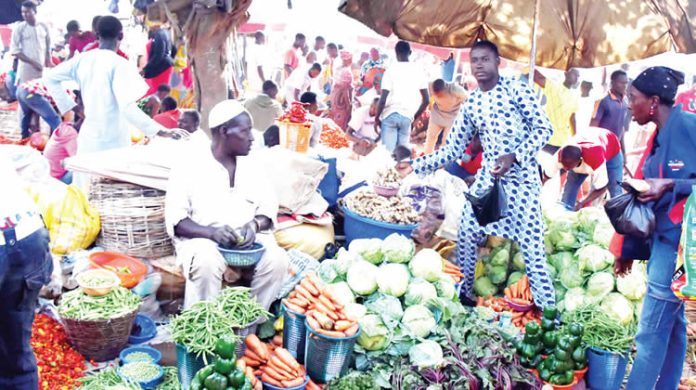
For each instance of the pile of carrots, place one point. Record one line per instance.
(334, 137)
(497, 304)
(520, 319)
(325, 314)
(274, 364)
(452, 270)
(519, 292)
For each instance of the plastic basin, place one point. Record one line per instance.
(154, 354)
(267, 386)
(148, 329)
(356, 226)
(118, 262)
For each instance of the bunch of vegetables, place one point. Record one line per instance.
(353, 381)
(452, 270)
(77, 305)
(59, 365)
(109, 378)
(396, 209)
(501, 265)
(200, 326)
(602, 330)
(568, 356)
(297, 113)
(333, 136)
(275, 365)
(225, 373)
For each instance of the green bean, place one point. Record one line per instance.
(109, 379)
(602, 331)
(140, 371)
(80, 306)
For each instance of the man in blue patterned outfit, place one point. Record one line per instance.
(513, 128)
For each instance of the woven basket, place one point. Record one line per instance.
(99, 340)
(9, 123)
(132, 219)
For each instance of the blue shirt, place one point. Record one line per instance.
(610, 113)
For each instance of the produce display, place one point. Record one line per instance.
(274, 364)
(140, 371)
(297, 113)
(395, 209)
(138, 357)
(602, 330)
(79, 306)
(97, 279)
(333, 136)
(388, 178)
(501, 264)
(109, 378)
(59, 365)
(225, 373)
(200, 326)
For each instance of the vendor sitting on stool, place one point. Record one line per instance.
(214, 191)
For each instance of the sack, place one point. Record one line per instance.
(308, 238)
(684, 278)
(72, 223)
(629, 216)
(491, 206)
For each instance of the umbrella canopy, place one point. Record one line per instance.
(582, 33)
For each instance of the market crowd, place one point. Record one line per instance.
(498, 129)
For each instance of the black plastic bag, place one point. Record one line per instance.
(629, 216)
(491, 206)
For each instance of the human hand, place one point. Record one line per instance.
(658, 187)
(378, 125)
(248, 234)
(69, 117)
(622, 266)
(503, 164)
(166, 133)
(225, 236)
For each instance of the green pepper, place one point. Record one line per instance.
(224, 366)
(237, 378)
(550, 339)
(563, 366)
(529, 351)
(567, 377)
(205, 372)
(579, 355)
(545, 374)
(555, 378)
(535, 361)
(196, 384)
(532, 338)
(561, 355)
(524, 362)
(565, 343)
(547, 324)
(247, 385)
(225, 347)
(532, 328)
(215, 382)
(576, 329)
(550, 312)
(575, 341)
(580, 365)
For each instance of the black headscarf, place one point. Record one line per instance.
(659, 81)
(160, 55)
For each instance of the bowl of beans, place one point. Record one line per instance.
(147, 374)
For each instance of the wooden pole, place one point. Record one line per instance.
(532, 56)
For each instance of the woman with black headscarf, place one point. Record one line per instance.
(160, 60)
(669, 166)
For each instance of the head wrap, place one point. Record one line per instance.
(224, 112)
(659, 81)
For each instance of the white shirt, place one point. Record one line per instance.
(315, 131)
(110, 87)
(257, 55)
(403, 80)
(199, 189)
(599, 177)
(299, 79)
(363, 123)
(583, 115)
(33, 42)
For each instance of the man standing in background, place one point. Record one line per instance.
(448, 100)
(319, 49)
(561, 105)
(31, 44)
(610, 112)
(292, 57)
(256, 59)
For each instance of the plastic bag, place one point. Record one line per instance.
(629, 216)
(491, 206)
(432, 216)
(684, 278)
(72, 223)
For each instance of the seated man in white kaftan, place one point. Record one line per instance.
(218, 189)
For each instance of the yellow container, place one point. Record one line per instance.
(295, 136)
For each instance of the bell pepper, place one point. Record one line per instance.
(550, 312)
(548, 325)
(196, 385)
(237, 379)
(550, 339)
(247, 385)
(224, 366)
(561, 355)
(225, 347)
(529, 350)
(565, 343)
(567, 378)
(580, 365)
(579, 355)
(545, 374)
(205, 372)
(575, 341)
(563, 366)
(576, 329)
(532, 328)
(215, 382)
(535, 361)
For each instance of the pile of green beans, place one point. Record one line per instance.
(243, 308)
(80, 306)
(109, 379)
(140, 371)
(602, 331)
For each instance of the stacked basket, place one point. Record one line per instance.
(132, 219)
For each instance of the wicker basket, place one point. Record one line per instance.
(99, 340)
(132, 219)
(9, 122)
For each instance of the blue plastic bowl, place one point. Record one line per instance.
(154, 354)
(243, 258)
(149, 384)
(356, 226)
(148, 329)
(267, 386)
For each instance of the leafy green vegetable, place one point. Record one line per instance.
(498, 274)
(561, 235)
(362, 277)
(501, 256)
(392, 279)
(574, 298)
(445, 287)
(483, 287)
(353, 381)
(418, 321)
(374, 335)
(370, 249)
(518, 262)
(598, 286)
(561, 260)
(602, 234)
(594, 258)
(427, 354)
(355, 311)
(398, 248)
(571, 276)
(634, 285)
(387, 307)
(426, 264)
(419, 292)
(618, 307)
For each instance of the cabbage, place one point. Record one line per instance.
(328, 271)
(518, 262)
(548, 246)
(398, 248)
(618, 307)
(419, 292)
(392, 279)
(560, 291)
(495, 241)
(588, 218)
(638, 308)
(498, 274)
(561, 235)
(345, 260)
(594, 258)
(561, 260)
(500, 257)
(418, 321)
(426, 264)
(387, 307)
(355, 311)
(598, 286)
(342, 292)
(362, 277)
(483, 287)
(557, 212)
(445, 287)
(571, 276)
(602, 234)
(514, 278)
(374, 336)
(370, 249)
(574, 298)
(427, 354)
(634, 285)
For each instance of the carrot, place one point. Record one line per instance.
(312, 278)
(241, 365)
(258, 385)
(277, 374)
(326, 302)
(278, 364)
(250, 362)
(342, 325)
(325, 310)
(507, 292)
(301, 291)
(249, 372)
(299, 301)
(331, 333)
(352, 330)
(517, 314)
(312, 386)
(336, 302)
(253, 355)
(252, 342)
(292, 294)
(520, 301)
(293, 383)
(293, 307)
(309, 286)
(314, 324)
(277, 340)
(287, 358)
(267, 379)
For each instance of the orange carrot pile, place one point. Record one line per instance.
(520, 319)
(497, 304)
(453, 271)
(334, 137)
(519, 292)
(249, 373)
(274, 364)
